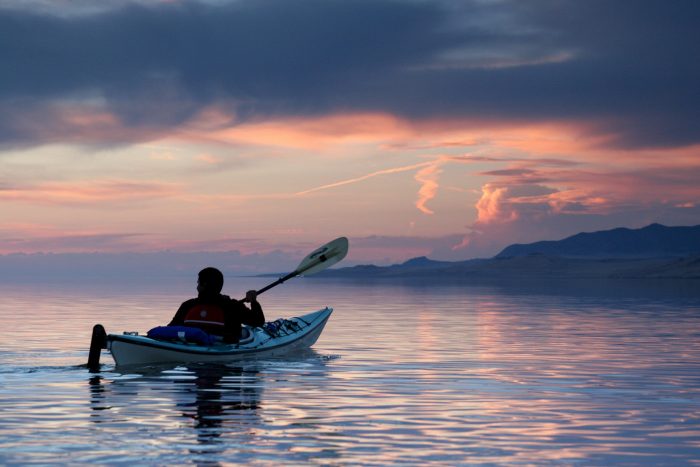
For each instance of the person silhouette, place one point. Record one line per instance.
(215, 313)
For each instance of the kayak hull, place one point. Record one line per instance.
(293, 335)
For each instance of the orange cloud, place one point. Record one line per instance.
(428, 177)
(312, 133)
(529, 191)
(389, 132)
(28, 238)
(491, 207)
(87, 193)
(208, 159)
(510, 200)
(366, 177)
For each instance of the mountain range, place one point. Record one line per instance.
(652, 241)
(655, 251)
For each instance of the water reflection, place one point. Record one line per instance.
(433, 374)
(222, 395)
(216, 400)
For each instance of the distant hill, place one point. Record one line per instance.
(655, 251)
(532, 267)
(420, 266)
(652, 241)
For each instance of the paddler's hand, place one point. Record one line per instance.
(251, 296)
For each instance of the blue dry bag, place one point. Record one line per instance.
(181, 333)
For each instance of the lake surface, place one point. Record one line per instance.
(417, 374)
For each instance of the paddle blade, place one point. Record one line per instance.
(324, 257)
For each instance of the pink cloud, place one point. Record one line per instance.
(208, 159)
(428, 178)
(87, 192)
(309, 133)
(32, 241)
(377, 173)
(502, 203)
(490, 207)
(529, 201)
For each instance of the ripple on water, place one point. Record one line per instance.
(445, 376)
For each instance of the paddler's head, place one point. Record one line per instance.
(210, 282)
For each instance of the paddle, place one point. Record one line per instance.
(320, 259)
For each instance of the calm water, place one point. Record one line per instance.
(402, 375)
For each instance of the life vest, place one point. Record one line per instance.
(208, 317)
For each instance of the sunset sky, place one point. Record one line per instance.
(446, 128)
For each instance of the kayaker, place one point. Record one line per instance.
(218, 314)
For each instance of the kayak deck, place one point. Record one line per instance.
(276, 338)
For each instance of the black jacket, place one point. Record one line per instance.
(235, 313)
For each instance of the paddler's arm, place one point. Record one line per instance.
(254, 315)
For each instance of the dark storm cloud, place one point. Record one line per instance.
(628, 68)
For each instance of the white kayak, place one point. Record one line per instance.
(281, 337)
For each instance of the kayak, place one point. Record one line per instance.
(280, 337)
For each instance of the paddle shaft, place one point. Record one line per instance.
(321, 259)
(278, 282)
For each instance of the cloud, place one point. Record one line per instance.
(33, 240)
(366, 177)
(529, 202)
(626, 70)
(427, 174)
(307, 132)
(533, 194)
(87, 193)
(428, 178)
(502, 204)
(490, 205)
(208, 159)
